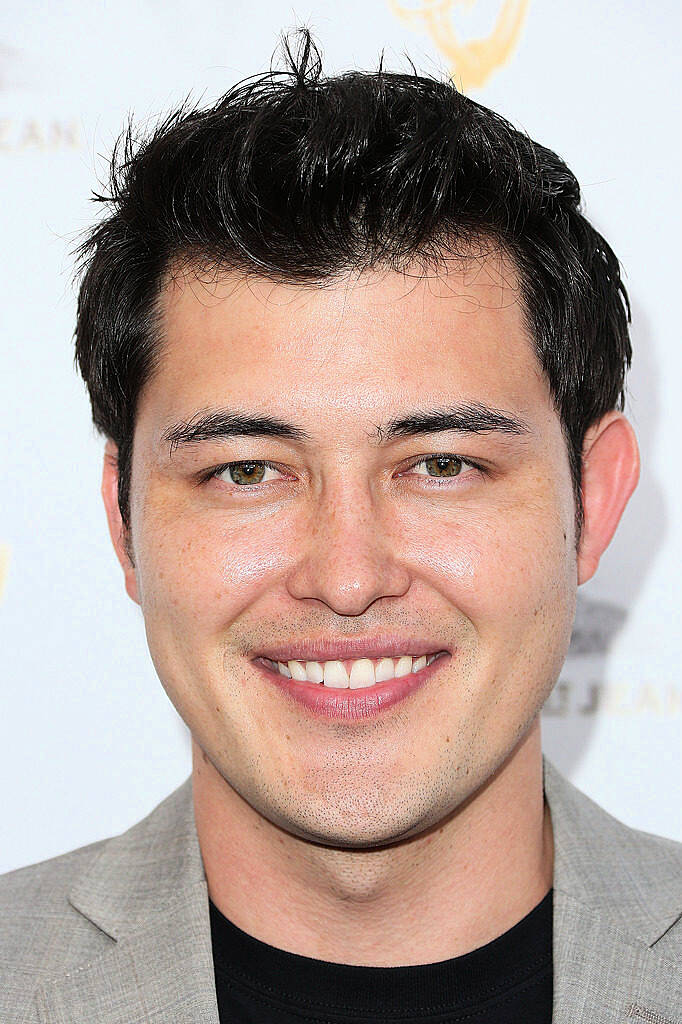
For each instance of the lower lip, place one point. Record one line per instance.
(352, 704)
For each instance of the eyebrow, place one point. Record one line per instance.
(221, 424)
(463, 418)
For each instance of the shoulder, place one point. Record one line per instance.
(632, 876)
(40, 932)
(67, 911)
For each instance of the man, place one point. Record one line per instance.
(359, 360)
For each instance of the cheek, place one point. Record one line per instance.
(510, 567)
(198, 575)
(202, 571)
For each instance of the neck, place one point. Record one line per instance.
(437, 895)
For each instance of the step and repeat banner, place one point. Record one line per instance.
(89, 742)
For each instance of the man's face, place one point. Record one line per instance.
(355, 533)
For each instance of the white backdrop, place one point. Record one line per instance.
(88, 740)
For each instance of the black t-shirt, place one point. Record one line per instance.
(507, 981)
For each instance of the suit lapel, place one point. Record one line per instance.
(602, 976)
(608, 917)
(146, 890)
(160, 973)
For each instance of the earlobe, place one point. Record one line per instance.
(117, 531)
(609, 476)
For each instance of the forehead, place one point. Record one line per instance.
(340, 349)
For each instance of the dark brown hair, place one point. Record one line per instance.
(300, 177)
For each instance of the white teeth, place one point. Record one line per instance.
(314, 672)
(335, 675)
(361, 674)
(404, 666)
(385, 670)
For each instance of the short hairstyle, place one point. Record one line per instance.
(300, 177)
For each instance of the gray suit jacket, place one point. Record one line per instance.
(119, 932)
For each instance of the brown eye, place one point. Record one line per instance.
(442, 465)
(247, 472)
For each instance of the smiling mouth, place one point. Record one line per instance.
(353, 674)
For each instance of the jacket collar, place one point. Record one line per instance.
(598, 861)
(146, 889)
(614, 900)
(140, 875)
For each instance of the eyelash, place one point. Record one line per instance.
(217, 470)
(212, 474)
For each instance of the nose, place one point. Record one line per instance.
(349, 558)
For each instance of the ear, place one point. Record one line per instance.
(609, 476)
(117, 531)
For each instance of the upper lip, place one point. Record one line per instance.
(350, 648)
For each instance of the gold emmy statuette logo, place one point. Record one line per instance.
(472, 62)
